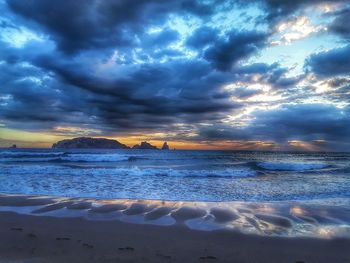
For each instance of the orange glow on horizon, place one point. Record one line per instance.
(25, 139)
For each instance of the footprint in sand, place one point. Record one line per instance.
(127, 248)
(63, 238)
(208, 257)
(16, 229)
(87, 245)
(31, 235)
(163, 256)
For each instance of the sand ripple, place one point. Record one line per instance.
(186, 213)
(282, 219)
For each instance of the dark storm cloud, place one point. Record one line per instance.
(330, 63)
(306, 122)
(338, 82)
(202, 36)
(61, 91)
(243, 93)
(290, 122)
(122, 66)
(237, 45)
(340, 23)
(139, 97)
(226, 50)
(339, 90)
(24, 99)
(272, 74)
(87, 24)
(142, 91)
(277, 10)
(163, 38)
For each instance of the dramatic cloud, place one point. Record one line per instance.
(192, 71)
(202, 37)
(340, 23)
(294, 29)
(277, 10)
(291, 122)
(329, 63)
(79, 25)
(273, 74)
(225, 53)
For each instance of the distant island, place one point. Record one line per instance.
(145, 146)
(88, 142)
(102, 143)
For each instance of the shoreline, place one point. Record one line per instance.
(39, 229)
(286, 218)
(337, 201)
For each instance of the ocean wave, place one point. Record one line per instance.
(236, 172)
(291, 166)
(95, 158)
(19, 155)
(136, 171)
(64, 157)
(168, 172)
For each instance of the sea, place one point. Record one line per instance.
(181, 175)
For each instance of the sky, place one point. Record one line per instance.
(200, 74)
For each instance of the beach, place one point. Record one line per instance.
(175, 131)
(173, 206)
(50, 229)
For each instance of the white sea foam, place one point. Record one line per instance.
(291, 166)
(234, 172)
(20, 154)
(94, 157)
(129, 171)
(61, 156)
(175, 175)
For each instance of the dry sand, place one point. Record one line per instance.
(36, 237)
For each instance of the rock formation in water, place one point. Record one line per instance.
(14, 146)
(165, 146)
(145, 146)
(89, 143)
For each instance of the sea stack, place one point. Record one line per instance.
(165, 146)
(145, 146)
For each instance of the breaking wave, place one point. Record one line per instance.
(63, 157)
(129, 171)
(291, 166)
(175, 175)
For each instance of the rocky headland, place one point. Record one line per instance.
(89, 143)
(145, 146)
(102, 143)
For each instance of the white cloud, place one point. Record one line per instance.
(295, 29)
(18, 37)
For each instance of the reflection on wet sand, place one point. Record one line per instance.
(275, 219)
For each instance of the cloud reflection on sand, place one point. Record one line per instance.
(273, 219)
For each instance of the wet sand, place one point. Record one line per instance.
(47, 229)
